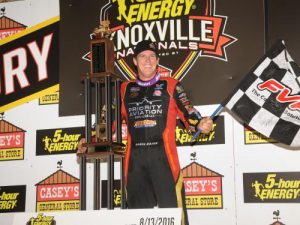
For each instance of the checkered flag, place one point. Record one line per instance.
(268, 98)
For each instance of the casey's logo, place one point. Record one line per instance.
(12, 139)
(9, 26)
(58, 192)
(203, 187)
(183, 30)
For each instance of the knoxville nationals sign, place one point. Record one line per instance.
(183, 30)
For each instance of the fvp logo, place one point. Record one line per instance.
(283, 93)
(183, 30)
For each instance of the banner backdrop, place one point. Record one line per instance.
(232, 176)
(29, 64)
(199, 43)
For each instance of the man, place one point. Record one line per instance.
(150, 106)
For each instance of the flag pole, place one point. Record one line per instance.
(214, 114)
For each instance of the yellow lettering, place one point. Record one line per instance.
(188, 6)
(146, 11)
(176, 9)
(153, 15)
(165, 9)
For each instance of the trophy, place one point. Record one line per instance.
(102, 50)
(101, 75)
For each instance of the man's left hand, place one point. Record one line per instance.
(205, 125)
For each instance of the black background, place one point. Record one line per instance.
(20, 206)
(256, 24)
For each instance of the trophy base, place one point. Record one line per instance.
(103, 149)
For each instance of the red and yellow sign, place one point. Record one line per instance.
(11, 141)
(203, 187)
(58, 192)
(36, 73)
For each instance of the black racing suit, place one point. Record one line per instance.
(152, 171)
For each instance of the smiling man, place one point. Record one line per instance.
(152, 171)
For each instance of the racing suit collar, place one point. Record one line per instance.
(148, 82)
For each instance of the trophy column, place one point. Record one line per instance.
(102, 146)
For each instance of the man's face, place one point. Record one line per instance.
(146, 63)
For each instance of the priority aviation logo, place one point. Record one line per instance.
(184, 30)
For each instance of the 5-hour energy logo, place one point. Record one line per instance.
(41, 219)
(117, 194)
(281, 187)
(142, 10)
(12, 198)
(216, 136)
(58, 141)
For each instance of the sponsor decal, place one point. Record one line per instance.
(134, 92)
(183, 30)
(272, 187)
(12, 198)
(52, 98)
(159, 87)
(203, 187)
(29, 64)
(216, 136)
(145, 109)
(9, 26)
(41, 219)
(145, 123)
(58, 141)
(157, 93)
(58, 192)
(117, 194)
(12, 139)
(164, 71)
(179, 89)
(254, 137)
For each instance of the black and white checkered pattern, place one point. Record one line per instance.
(259, 108)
